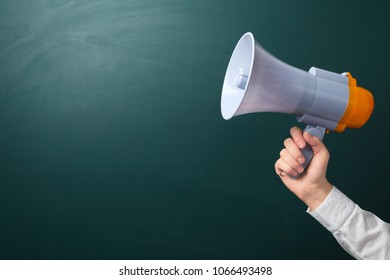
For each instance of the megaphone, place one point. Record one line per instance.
(256, 81)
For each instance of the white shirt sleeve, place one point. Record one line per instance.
(362, 234)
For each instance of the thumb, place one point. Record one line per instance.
(318, 165)
(316, 144)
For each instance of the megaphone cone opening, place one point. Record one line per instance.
(237, 76)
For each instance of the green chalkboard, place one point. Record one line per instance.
(112, 144)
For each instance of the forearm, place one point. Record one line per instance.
(360, 233)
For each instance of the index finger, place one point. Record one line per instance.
(297, 136)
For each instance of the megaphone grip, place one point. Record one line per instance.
(307, 151)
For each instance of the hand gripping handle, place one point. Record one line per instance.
(307, 151)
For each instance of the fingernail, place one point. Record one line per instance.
(301, 160)
(300, 169)
(301, 144)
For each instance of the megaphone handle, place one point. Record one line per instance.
(307, 152)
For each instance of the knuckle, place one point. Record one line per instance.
(287, 141)
(290, 170)
(294, 129)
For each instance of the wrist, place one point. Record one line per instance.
(315, 198)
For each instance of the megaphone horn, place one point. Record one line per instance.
(256, 81)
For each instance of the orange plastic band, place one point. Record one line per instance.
(359, 108)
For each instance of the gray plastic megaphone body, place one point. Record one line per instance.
(256, 81)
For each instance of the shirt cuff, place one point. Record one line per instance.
(334, 210)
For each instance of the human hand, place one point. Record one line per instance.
(311, 186)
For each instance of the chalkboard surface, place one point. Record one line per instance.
(112, 144)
